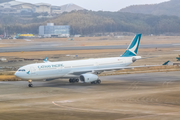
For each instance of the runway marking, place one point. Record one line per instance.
(158, 114)
(166, 83)
(27, 40)
(66, 101)
(99, 110)
(82, 109)
(136, 117)
(175, 44)
(153, 113)
(66, 107)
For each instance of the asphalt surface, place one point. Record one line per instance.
(149, 96)
(55, 47)
(147, 77)
(143, 77)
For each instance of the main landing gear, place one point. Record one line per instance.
(73, 80)
(30, 83)
(96, 82)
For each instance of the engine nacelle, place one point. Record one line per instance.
(88, 78)
(136, 58)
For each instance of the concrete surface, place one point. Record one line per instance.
(54, 47)
(150, 96)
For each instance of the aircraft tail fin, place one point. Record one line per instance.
(133, 47)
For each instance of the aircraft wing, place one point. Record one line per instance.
(96, 71)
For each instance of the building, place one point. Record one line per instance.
(15, 7)
(43, 8)
(54, 31)
(18, 7)
(70, 7)
(65, 8)
(56, 10)
(26, 12)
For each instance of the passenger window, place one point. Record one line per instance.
(22, 70)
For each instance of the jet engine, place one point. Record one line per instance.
(88, 78)
(136, 58)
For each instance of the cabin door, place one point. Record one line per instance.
(32, 70)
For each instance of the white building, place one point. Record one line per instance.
(65, 8)
(52, 30)
(18, 6)
(70, 7)
(43, 8)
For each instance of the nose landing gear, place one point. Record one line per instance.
(30, 83)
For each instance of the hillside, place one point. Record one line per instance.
(171, 7)
(90, 23)
(83, 22)
(70, 7)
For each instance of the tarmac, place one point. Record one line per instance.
(144, 96)
(148, 96)
(49, 46)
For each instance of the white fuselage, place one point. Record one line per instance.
(53, 70)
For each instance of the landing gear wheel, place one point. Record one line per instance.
(30, 83)
(73, 80)
(93, 82)
(98, 81)
(70, 80)
(77, 80)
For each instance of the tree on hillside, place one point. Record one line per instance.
(84, 22)
(171, 7)
(89, 23)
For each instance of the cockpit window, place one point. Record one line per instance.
(22, 70)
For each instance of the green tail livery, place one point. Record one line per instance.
(133, 47)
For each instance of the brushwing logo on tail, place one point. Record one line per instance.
(135, 47)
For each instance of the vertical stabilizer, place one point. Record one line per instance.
(133, 47)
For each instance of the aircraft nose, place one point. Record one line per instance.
(16, 74)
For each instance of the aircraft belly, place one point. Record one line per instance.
(113, 65)
(48, 74)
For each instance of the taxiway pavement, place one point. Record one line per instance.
(148, 96)
(54, 47)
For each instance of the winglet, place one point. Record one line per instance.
(46, 60)
(166, 63)
(133, 47)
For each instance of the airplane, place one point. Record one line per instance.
(85, 71)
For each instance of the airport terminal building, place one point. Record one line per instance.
(54, 31)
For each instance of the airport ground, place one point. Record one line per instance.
(168, 49)
(149, 96)
(140, 94)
